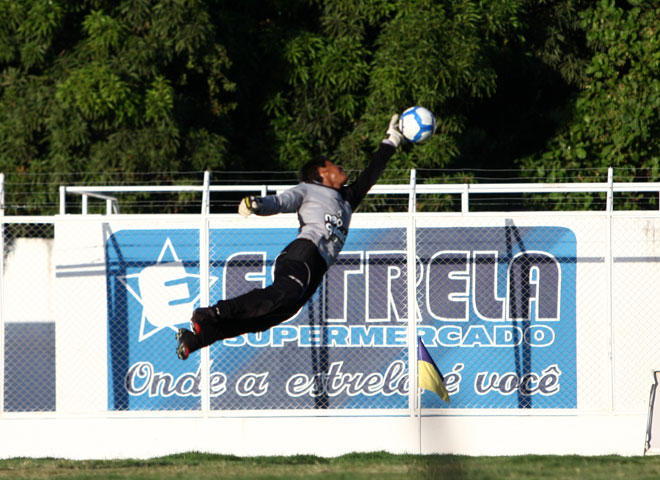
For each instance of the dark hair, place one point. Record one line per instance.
(309, 173)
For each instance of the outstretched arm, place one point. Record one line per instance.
(286, 202)
(356, 191)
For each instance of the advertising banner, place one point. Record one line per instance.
(495, 308)
(499, 314)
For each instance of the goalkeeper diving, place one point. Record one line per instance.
(324, 205)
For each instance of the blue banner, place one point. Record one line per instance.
(496, 310)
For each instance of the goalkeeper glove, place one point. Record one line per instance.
(249, 205)
(394, 135)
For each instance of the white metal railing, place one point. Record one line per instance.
(466, 191)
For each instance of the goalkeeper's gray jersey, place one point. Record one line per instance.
(324, 212)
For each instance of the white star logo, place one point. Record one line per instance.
(164, 292)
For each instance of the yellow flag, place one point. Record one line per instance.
(428, 374)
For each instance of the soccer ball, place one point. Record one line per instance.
(417, 124)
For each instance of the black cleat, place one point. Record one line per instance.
(186, 343)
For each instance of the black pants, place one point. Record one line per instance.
(299, 270)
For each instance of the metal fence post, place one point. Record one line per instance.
(2, 300)
(610, 279)
(204, 287)
(609, 205)
(412, 298)
(465, 198)
(206, 202)
(62, 200)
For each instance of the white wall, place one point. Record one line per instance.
(615, 360)
(29, 285)
(97, 437)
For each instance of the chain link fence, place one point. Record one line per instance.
(335, 353)
(635, 309)
(28, 320)
(153, 281)
(522, 313)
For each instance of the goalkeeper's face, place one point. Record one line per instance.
(333, 175)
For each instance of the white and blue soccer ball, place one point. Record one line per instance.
(417, 124)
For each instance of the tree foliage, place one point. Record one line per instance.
(100, 88)
(97, 90)
(615, 117)
(371, 58)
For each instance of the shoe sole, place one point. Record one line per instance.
(182, 350)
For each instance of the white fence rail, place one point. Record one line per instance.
(466, 191)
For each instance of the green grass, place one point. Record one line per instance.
(379, 465)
